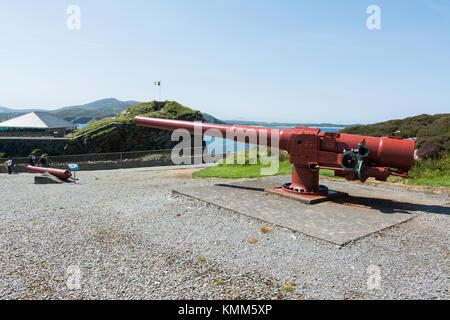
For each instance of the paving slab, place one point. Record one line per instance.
(45, 179)
(340, 221)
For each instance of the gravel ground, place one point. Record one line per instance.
(129, 238)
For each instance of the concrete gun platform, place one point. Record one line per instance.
(367, 209)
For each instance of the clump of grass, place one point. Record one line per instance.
(220, 283)
(265, 229)
(201, 259)
(252, 240)
(287, 288)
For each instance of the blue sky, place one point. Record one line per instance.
(296, 61)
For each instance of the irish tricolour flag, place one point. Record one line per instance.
(157, 83)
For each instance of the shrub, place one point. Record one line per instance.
(431, 131)
(431, 168)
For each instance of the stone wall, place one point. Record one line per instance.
(102, 165)
(24, 146)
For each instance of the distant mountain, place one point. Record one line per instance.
(210, 119)
(286, 124)
(96, 110)
(111, 107)
(21, 111)
(108, 103)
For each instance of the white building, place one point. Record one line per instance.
(36, 124)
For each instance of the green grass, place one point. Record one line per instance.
(237, 171)
(437, 182)
(431, 172)
(247, 170)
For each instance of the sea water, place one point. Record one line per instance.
(220, 145)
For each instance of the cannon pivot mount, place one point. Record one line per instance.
(354, 157)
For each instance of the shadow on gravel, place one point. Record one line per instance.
(390, 206)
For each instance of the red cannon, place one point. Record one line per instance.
(350, 156)
(59, 173)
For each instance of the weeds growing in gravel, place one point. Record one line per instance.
(265, 229)
(287, 288)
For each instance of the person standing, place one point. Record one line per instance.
(9, 163)
(31, 159)
(43, 161)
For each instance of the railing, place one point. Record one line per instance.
(116, 160)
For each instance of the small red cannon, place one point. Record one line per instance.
(354, 157)
(59, 173)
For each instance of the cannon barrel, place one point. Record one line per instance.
(384, 152)
(350, 156)
(59, 173)
(215, 130)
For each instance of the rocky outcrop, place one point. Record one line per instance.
(120, 134)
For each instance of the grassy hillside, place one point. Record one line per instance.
(119, 133)
(155, 109)
(432, 132)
